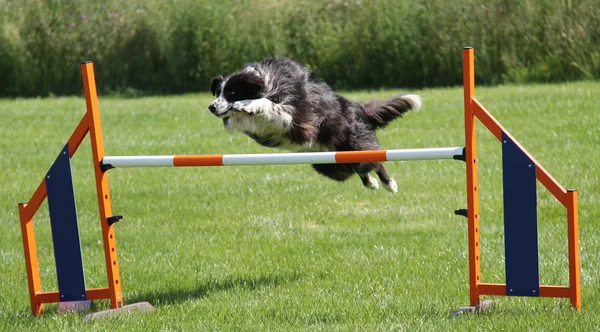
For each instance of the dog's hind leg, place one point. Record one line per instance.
(369, 181)
(388, 182)
(338, 172)
(363, 170)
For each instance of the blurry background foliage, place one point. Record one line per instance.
(176, 46)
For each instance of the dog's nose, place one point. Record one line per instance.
(212, 108)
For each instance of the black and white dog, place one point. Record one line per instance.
(279, 103)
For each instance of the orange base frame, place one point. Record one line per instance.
(473, 111)
(89, 123)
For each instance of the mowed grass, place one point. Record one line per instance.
(280, 247)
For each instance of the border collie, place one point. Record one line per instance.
(281, 104)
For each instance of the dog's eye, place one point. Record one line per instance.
(274, 99)
(218, 92)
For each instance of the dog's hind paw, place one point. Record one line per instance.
(391, 186)
(372, 183)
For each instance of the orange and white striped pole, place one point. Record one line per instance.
(338, 157)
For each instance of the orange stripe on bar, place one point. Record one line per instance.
(204, 160)
(360, 156)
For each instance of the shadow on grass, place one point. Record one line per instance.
(208, 287)
(173, 296)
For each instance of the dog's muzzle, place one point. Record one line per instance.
(219, 107)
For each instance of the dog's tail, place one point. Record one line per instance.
(379, 113)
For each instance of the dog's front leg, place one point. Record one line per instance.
(266, 109)
(253, 106)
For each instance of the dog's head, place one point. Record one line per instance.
(279, 80)
(245, 84)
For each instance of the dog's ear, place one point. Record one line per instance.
(216, 82)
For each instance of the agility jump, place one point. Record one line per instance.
(520, 172)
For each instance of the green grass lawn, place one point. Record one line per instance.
(281, 247)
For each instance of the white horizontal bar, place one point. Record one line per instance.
(424, 154)
(279, 158)
(138, 161)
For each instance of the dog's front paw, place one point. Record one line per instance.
(238, 106)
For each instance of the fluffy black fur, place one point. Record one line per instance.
(279, 103)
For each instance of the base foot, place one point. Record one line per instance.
(141, 306)
(483, 306)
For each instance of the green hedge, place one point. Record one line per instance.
(175, 46)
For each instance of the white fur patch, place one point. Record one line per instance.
(221, 106)
(392, 186)
(259, 116)
(254, 106)
(415, 101)
(372, 184)
(251, 69)
(221, 87)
